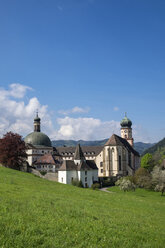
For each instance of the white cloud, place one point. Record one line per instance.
(18, 90)
(116, 108)
(17, 116)
(86, 128)
(75, 110)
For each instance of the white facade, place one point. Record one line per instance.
(116, 160)
(87, 177)
(36, 152)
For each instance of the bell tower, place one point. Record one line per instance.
(126, 130)
(37, 123)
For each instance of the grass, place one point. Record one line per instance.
(38, 213)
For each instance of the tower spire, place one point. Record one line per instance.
(79, 155)
(126, 130)
(37, 123)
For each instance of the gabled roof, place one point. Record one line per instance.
(47, 159)
(92, 164)
(83, 166)
(116, 140)
(79, 155)
(69, 165)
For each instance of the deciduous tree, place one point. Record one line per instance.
(147, 161)
(158, 179)
(12, 150)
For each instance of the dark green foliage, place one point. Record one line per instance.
(106, 182)
(157, 147)
(95, 186)
(141, 147)
(77, 183)
(42, 214)
(43, 173)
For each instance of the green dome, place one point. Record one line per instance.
(38, 139)
(126, 122)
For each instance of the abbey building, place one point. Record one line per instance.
(87, 163)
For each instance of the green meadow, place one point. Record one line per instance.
(38, 213)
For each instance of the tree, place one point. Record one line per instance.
(125, 184)
(142, 178)
(147, 161)
(158, 179)
(12, 151)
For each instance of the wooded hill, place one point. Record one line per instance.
(139, 146)
(158, 151)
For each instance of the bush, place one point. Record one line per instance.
(125, 184)
(43, 173)
(142, 179)
(77, 183)
(108, 182)
(95, 186)
(158, 179)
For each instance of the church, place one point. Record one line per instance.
(87, 163)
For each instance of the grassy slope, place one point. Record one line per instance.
(39, 213)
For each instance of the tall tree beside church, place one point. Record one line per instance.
(12, 151)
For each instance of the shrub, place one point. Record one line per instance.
(125, 184)
(77, 183)
(108, 182)
(43, 173)
(142, 178)
(158, 179)
(95, 186)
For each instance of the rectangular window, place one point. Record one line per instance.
(101, 170)
(119, 163)
(85, 173)
(85, 179)
(101, 164)
(62, 179)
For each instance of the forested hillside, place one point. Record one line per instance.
(139, 146)
(157, 151)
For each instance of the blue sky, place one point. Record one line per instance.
(103, 57)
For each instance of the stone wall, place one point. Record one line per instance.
(52, 176)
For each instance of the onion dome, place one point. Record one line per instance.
(126, 122)
(37, 118)
(38, 139)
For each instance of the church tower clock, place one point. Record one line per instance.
(126, 130)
